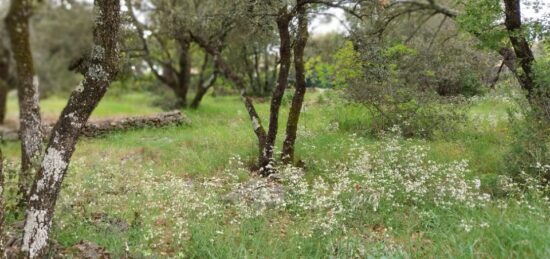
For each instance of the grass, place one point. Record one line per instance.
(142, 193)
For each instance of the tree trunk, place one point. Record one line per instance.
(202, 89)
(47, 184)
(17, 23)
(266, 156)
(298, 99)
(519, 42)
(184, 75)
(538, 97)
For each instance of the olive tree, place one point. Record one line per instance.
(102, 70)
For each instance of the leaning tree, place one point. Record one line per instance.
(51, 169)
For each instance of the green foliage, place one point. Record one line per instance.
(481, 18)
(541, 68)
(383, 79)
(320, 74)
(470, 85)
(344, 67)
(348, 65)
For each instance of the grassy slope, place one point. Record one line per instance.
(111, 178)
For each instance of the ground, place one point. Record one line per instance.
(161, 192)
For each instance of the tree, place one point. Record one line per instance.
(283, 14)
(298, 99)
(284, 17)
(103, 69)
(168, 27)
(17, 23)
(481, 19)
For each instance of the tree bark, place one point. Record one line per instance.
(298, 99)
(17, 23)
(266, 162)
(47, 184)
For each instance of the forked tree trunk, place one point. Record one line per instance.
(17, 23)
(298, 99)
(266, 162)
(47, 184)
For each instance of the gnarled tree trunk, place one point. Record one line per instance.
(298, 99)
(47, 184)
(17, 23)
(266, 156)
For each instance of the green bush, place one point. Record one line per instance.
(420, 119)
(529, 152)
(467, 84)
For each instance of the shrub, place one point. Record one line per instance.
(390, 87)
(529, 152)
